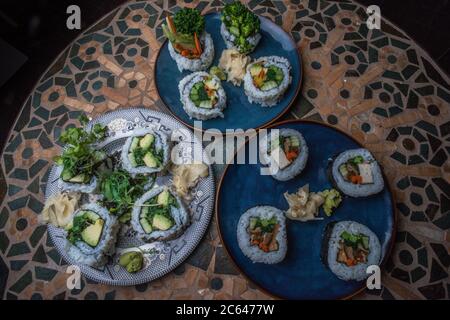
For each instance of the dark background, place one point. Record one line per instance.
(37, 29)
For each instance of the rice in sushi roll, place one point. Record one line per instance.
(261, 234)
(348, 248)
(286, 154)
(159, 215)
(240, 27)
(202, 96)
(146, 151)
(91, 235)
(357, 174)
(189, 45)
(266, 80)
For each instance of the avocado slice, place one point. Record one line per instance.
(150, 160)
(146, 141)
(91, 235)
(132, 160)
(161, 222)
(66, 175)
(134, 144)
(163, 198)
(146, 225)
(81, 178)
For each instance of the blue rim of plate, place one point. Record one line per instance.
(251, 279)
(264, 20)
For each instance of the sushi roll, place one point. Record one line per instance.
(261, 234)
(146, 151)
(91, 235)
(286, 154)
(202, 96)
(357, 174)
(78, 175)
(240, 27)
(266, 80)
(348, 248)
(189, 45)
(159, 215)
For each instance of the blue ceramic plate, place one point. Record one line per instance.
(239, 113)
(301, 275)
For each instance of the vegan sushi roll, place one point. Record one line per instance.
(357, 174)
(240, 27)
(348, 248)
(79, 158)
(91, 235)
(267, 79)
(261, 234)
(189, 45)
(145, 152)
(159, 215)
(202, 96)
(286, 154)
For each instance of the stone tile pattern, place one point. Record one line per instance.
(377, 85)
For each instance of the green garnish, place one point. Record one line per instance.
(80, 223)
(332, 200)
(242, 23)
(352, 240)
(154, 208)
(188, 21)
(120, 190)
(80, 159)
(357, 160)
(266, 225)
(132, 261)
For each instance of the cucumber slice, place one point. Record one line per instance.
(269, 85)
(255, 70)
(134, 144)
(206, 104)
(132, 160)
(343, 170)
(295, 142)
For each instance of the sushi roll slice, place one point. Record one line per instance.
(357, 174)
(261, 234)
(91, 235)
(159, 215)
(348, 248)
(202, 96)
(240, 27)
(146, 151)
(266, 80)
(286, 154)
(189, 45)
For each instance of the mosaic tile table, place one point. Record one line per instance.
(377, 85)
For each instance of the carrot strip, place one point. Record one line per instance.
(170, 24)
(198, 47)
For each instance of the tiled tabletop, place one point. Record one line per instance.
(377, 85)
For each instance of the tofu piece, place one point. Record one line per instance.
(365, 171)
(279, 157)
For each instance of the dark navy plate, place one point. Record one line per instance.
(301, 275)
(239, 113)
